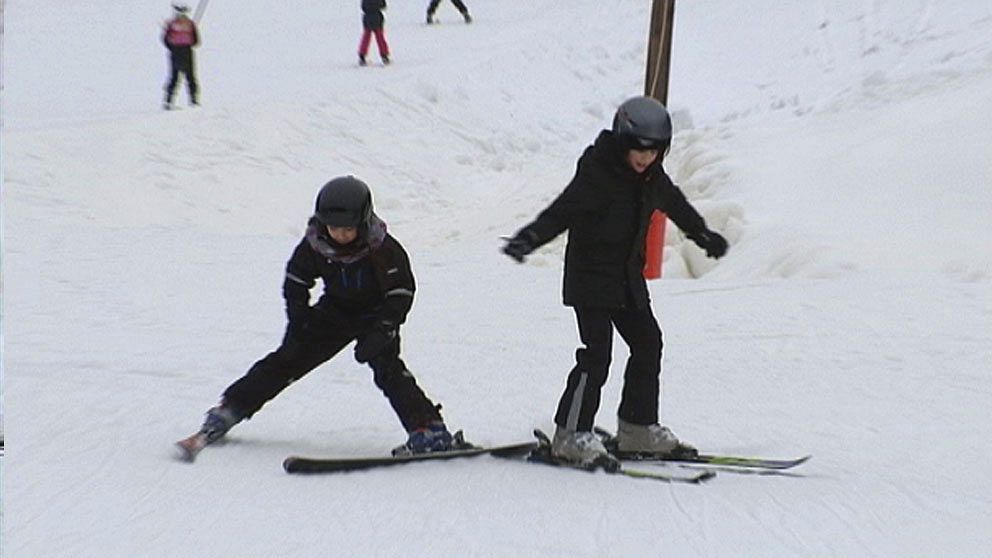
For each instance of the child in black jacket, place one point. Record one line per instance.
(368, 291)
(606, 208)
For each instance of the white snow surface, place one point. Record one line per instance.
(844, 147)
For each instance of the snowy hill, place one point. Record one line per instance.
(845, 149)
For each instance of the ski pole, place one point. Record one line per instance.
(201, 7)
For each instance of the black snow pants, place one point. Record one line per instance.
(181, 62)
(639, 398)
(458, 4)
(296, 357)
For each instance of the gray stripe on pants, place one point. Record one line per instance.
(572, 422)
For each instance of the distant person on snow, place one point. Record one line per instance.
(432, 8)
(368, 290)
(180, 36)
(618, 183)
(372, 24)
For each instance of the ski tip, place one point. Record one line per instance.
(669, 477)
(704, 476)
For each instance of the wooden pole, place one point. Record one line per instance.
(659, 50)
(656, 86)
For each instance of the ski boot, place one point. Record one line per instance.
(468, 18)
(651, 440)
(219, 420)
(430, 19)
(581, 448)
(432, 437)
(361, 60)
(385, 59)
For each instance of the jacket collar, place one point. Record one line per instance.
(370, 238)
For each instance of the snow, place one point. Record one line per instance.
(844, 147)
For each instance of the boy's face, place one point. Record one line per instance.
(641, 159)
(343, 235)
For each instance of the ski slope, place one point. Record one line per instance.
(844, 148)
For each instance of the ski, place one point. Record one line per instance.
(297, 464)
(542, 454)
(609, 440)
(190, 447)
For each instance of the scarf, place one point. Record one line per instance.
(370, 238)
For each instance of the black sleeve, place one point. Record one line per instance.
(582, 196)
(673, 202)
(392, 265)
(301, 275)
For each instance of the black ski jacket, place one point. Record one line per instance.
(372, 17)
(377, 287)
(607, 208)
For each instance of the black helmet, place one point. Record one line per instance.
(345, 201)
(643, 123)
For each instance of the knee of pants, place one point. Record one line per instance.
(386, 370)
(650, 347)
(593, 358)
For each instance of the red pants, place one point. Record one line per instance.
(380, 41)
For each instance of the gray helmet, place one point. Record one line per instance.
(643, 123)
(345, 201)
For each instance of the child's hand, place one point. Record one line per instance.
(712, 242)
(375, 341)
(520, 246)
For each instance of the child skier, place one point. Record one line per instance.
(368, 289)
(606, 208)
(372, 24)
(459, 5)
(180, 36)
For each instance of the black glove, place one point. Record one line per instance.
(520, 245)
(712, 242)
(373, 343)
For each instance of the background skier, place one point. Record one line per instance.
(368, 291)
(180, 36)
(432, 7)
(606, 208)
(372, 24)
